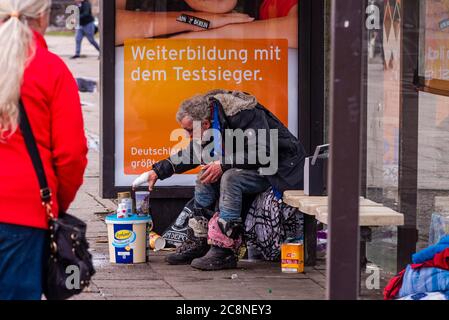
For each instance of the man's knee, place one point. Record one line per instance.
(204, 195)
(202, 191)
(201, 187)
(230, 178)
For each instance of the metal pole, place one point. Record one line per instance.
(311, 74)
(317, 82)
(344, 174)
(305, 20)
(107, 98)
(364, 111)
(408, 133)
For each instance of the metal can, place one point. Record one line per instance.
(123, 195)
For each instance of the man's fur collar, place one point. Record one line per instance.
(233, 102)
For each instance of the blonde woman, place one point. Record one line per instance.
(49, 92)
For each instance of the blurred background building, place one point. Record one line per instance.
(59, 15)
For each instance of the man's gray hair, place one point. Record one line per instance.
(196, 108)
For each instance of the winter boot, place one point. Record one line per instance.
(195, 245)
(190, 249)
(225, 238)
(216, 259)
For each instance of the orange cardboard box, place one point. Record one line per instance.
(292, 258)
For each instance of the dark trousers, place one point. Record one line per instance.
(21, 262)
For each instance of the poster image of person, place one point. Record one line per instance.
(229, 19)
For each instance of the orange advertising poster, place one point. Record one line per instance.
(161, 73)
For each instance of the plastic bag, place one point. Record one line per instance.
(439, 227)
(176, 234)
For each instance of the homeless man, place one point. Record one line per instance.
(217, 237)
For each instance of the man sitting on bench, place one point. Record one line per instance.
(277, 161)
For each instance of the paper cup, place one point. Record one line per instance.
(142, 203)
(156, 241)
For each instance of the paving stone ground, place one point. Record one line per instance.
(155, 279)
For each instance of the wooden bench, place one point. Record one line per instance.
(372, 214)
(369, 217)
(377, 216)
(308, 204)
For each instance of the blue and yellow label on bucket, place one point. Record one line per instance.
(123, 237)
(124, 243)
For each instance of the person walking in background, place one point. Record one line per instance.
(86, 27)
(50, 97)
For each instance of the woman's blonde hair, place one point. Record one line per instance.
(17, 49)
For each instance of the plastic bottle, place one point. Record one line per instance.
(121, 211)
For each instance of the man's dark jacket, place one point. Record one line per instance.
(239, 110)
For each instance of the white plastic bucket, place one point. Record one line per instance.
(127, 238)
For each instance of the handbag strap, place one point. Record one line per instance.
(33, 151)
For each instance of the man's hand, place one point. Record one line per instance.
(152, 179)
(212, 172)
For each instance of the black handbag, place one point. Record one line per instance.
(69, 266)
